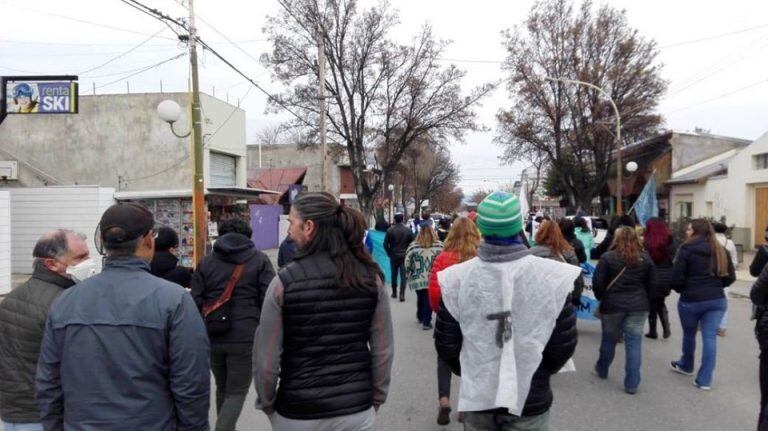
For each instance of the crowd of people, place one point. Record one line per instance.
(134, 346)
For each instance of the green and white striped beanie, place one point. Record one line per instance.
(499, 215)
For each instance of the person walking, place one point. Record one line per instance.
(165, 263)
(396, 243)
(443, 227)
(236, 262)
(568, 230)
(124, 350)
(419, 258)
(623, 283)
(324, 349)
(585, 235)
(607, 242)
(550, 244)
(761, 257)
(720, 233)
(61, 259)
(701, 270)
(505, 324)
(661, 247)
(759, 296)
(460, 246)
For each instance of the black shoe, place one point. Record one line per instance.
(402, 297)
(394, 295)
(667, 333)
(444, 415)
(426, 326)
(652, 335)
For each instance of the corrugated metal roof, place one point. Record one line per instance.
(278, 179)
(715, 168)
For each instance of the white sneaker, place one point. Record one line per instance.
(702, 387)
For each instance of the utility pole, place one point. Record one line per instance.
(321, 81)
(199, 216)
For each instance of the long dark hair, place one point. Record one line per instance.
(339, 231)
(702, 228)
(567, 228)
(656, 240)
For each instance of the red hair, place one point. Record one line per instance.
(656, 240)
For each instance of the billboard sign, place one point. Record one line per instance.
(40, 94)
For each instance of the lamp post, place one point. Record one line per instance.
(619, 208)
(391, 189)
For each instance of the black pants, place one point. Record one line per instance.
(423, 309)
(658, 311)
(397, 264)
(762, 424)
(231, 366)
(443, 379)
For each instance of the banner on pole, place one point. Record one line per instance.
(646, 205)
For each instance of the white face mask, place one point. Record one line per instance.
(82, 270)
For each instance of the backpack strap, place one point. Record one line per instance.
(227, 295)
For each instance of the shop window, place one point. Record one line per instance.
(686, 209)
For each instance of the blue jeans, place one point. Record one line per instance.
(423, 310)
(11, 426)
(631, 324)
(708, 315)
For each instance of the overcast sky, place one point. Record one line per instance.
(719, 83)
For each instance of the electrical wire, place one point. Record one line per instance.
(717, 36)
(121, 55)
(140, 71)
(81, 20)
(22, 42)
(754, 84)
(122, 72)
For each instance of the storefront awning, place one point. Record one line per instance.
(235, 192)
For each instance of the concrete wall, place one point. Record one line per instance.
(692, 148)
(289, 156)
(118, 141)
(731, 195)
(5, 242)
(35, 211)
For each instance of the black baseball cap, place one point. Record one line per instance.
(124, 222)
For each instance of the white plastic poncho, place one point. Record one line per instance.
(530, 292)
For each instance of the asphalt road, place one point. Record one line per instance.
(665, 400)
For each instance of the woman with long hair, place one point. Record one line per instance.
(327, 311)
(623, 283)
(702, 269)
(419, 258)
(660, 245)
(568, 229)
(550, 244)
(460, 246)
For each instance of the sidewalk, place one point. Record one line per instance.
(744, 280)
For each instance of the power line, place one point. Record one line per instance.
(122, 72)
(81, 20)
(754, 84)
(123, 54)
(140, 71)
(717, 36)
(21, 42)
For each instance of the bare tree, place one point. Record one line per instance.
(381, 95)
(571, 125)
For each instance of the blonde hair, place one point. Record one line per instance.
(627, 243)
(463, 238)
(426, 237)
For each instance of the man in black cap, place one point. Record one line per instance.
(124, 349)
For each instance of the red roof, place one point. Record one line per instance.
(278, 179)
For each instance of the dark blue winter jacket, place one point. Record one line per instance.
(692, 274)
(124, 350)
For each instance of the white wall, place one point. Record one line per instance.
(35, 211)
(5, 242)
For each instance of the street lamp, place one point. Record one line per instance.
(619, 208)
(391, 189)
(170, 112)
(631, 167)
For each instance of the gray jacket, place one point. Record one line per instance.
(22, 321)
(124, 350)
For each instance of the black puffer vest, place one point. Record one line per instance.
(325, 370)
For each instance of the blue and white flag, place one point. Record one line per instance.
(646, 205)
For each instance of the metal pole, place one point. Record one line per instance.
(321, 81)
(200, 222)
(619, 181)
